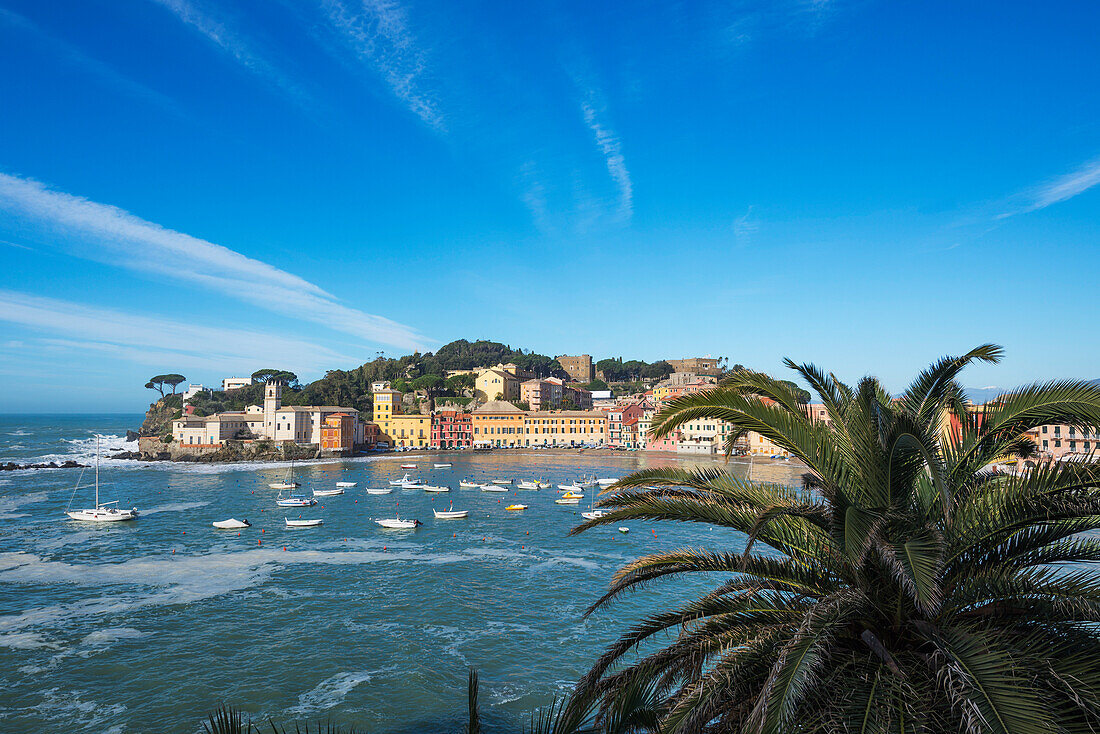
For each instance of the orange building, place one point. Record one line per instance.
(498, 424)
(338, 433)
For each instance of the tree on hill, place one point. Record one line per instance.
(656, 370)
(159, 382)
(431, 385)
(908, 586)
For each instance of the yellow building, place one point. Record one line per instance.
(497, 384)
(498, 424)
(396, 428)
(564, 428)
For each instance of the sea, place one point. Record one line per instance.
(151, 625)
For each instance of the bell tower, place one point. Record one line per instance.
(273, 400)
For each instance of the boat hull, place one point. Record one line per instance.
(346, 484)
(452, 515)
(393, 524)
(304, 523)
(567, 501)
(327, 492)
(386, 490)
(231, 524)
(103, 515)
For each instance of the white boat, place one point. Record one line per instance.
(430, 488)
(624, 529)
(403, 480)
(327, 492)
(295, 501)
(103, 511)
(502, 481)
(414, 485)
(493, 488)
(571, 487)
(395, 523)
(231, 524)
(527, 485)
(346, 484)
(593, 514)
(544, 485)
(588, 482)
(408, 466)
(450, 513)
(442, 466)
(379, 490)
(607, 481)
(286, 483)
(568, 501)
(464, 484)
(303, 523)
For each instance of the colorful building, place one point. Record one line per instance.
(497, 384)
(497, 424)
(578, 368)
(394, 427)
(338, 433)
(452, 429)
(564, 428)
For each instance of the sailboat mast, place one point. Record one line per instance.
(97, 471)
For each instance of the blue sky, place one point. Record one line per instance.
(213, 187)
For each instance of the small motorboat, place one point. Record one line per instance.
(403, 480)
(430, 488)
(295, 501)
(572, 496)
(493, 488)
(544, 485)
(516, 507)
(327, 492)
(467, 484)
(568, 501)
(450, 513)
(527, 485)
(231, 524)
(379, 490)
(502, 481)
(396, 523)
(624, 529)
(607, 481)
(303, 523)
(414, 485)
(285, 485)
(588, 482)
(346, 484)
(571, 487)
(408, 466)
(444, 465)
(593, 514)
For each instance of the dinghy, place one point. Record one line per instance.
(516, 507)
(502, 481)
(450, 513)
(408, 466)
(303, 523)
(492, 488)
(103, 511)
(379, 490)
(429, 488)
(607, 481)
(568, 501)
(572, 496)
(327, 492)
(346, 484)
(593, 514)
(571, 487)
(395, 523)
(403, 480)
(232, 524)
(527, 485)
(442, 466)
(624, 529)
(467, 484)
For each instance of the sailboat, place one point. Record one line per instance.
(403, 480)
(286, 483)
(103, 511)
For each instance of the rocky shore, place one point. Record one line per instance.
(12, 466)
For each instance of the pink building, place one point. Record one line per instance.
(452, 429)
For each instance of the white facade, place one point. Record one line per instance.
(193, 390)
(235, 383)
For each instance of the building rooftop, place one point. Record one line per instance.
(497, 406)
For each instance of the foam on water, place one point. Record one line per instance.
(332, 691)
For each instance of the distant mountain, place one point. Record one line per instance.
(985, 394)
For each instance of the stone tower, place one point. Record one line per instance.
(273, 400)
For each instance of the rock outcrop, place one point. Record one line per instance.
(12, 466)
(158, 419)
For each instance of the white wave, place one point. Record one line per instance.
(20, 432)
(567, 561)
(332, 691)
(91, 644)
(177, 507)
(69, 708)
(12, 515)
(19, 501)
(26, 641)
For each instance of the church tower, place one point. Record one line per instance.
(273, 400)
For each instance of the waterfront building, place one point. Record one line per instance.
(452, 429)
(564, 428)
(580, 397)
(545, 394)
(396, 428)
(497, 424)
(696, 365)
(338, 433)
(622, 425)
(578, 368)
(236, 383)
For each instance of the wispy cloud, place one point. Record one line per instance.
(218, 33)
(608, 143)
(1061, 188)
(744, 227)
(157, 341)
(378, 33)
(114, 236)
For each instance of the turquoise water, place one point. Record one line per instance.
(149, 625)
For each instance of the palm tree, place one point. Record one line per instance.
(906, 586)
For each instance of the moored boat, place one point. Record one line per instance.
(327, 492)
(396, 523)
(593, 514)
(430, 488)
(527, 485)
(346, 484)
(502, 481)
(403, 480)
(408, 466)
(450, 513)
(443, 465)
(516, 507)
(607, 481)
(468, 484)
(103, 511)
(295, 501)
(379, 490)
(568, 501)
(231, 524)
(303, 523)
(493, 488)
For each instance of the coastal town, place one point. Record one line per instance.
(513, 409)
